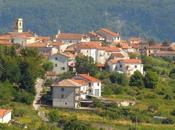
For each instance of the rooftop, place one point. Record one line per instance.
(4, 112)
(66, 83)
(109, 32)
(131, 61)
(88, 77)
(69, 36)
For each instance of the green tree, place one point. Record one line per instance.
(48, 66)
(85, 64)
(118, 78)
(54, 116)
(27, 81)
(172, 73)
(136, 79)
(151, 79)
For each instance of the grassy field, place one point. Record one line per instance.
(99, 122)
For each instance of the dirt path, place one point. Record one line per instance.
(39, 88)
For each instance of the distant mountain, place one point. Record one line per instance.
(146, 18)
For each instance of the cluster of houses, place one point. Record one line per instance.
(108, 50)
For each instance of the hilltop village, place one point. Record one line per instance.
(69, 53)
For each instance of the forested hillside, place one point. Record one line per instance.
(153, 18)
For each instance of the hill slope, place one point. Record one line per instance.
(153, 18)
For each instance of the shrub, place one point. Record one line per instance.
(119, 78)
(54, 116)
(153, 107)
(136, 79)
(168, 121)
(173, 112)
(151, 79)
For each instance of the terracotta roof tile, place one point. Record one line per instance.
(90, 45)
(131, 61)
(66, 83)
(109, 32)
(69, 36)
(111, 49)
(37, 45)
(82, 82)
(88, 77)
(3, 112)
(118, 55)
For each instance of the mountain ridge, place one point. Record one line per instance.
(149, 19)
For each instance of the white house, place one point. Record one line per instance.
(66, 94)
(99, 53)
(94, 85)
(108, 35)
(60, 63)
(5, 116)
(69, 93)
(129, 66)
(114, 58)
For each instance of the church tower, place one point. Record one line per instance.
(19, 25)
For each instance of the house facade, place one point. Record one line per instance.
(66, 94)
(69, 93)
(108, 35)
(94, 85)
(60, 63)
(129, 66)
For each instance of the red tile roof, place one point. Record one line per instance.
(90, 45)
(93, 34)
(88, 77)
(4, 112)
(23, 34)
(111, 49)
(37, 45)
(70, 36)
(56, 44)
(82, 82)
(131, 61)
(118, 55)
(109, 32)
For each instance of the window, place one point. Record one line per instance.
(62, 89)
(62, 96)
(55, 65)
(135, 66)
(62, 68)
(65, 103)
(56, 58)
(89, 84)
(98, 84)
(120, 66)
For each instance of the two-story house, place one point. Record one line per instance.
(66, 94)
(129, 66)
(94, 85)
(108, 35)
(69, 93)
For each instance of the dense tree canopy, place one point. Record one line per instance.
(136, 79)
(85, 64)
(151, 79)
(20, 71)
(129, 17)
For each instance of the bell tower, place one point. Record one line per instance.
(19, 25)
